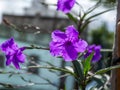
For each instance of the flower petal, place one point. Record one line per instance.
(65, 5)
(81, 45)
(22, 48)
(12, 44)
(96, 57)
(69, 53)
(20, 57)
(96, 50)
(4, 46)
(9, 59)
(9, 45)
(56, 48)
(97, 54)
(58, 36)
(16, 64)
(72, 33)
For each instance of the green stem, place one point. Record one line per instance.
(78, 70)
(82, 87)
(36, 47)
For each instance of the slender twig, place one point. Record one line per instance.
(5, 72)
(36, 47)
(106, 50)
(64, 75)
(8, 23)
(51, 67)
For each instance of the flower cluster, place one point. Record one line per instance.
(13, 53)
(96, 50)
(67, 44)
(65, 5)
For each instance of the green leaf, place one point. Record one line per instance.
(102, 71)
(90, 10)
(52, 68)
(93, 7)
(71, 17)
(84, 26)
(95, 15)
(78, 69)
(90, 19)
(101, 80)
(87, 63)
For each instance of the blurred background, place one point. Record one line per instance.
(31, 22)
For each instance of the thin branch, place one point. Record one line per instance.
(106, 50)
(13, 26)
(51, 68)
(36, 47)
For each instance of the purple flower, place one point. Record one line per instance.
(67, 44)
(65, 5)
(96, 50)
(13, 53)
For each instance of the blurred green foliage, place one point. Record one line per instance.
(102, 36)
(107, 3)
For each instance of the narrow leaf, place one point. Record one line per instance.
(102, 71)
(99, 14)
(89, 19)
(93, 7)
(52, 68)
(78, 69)
(87, 63)
(71, 17)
